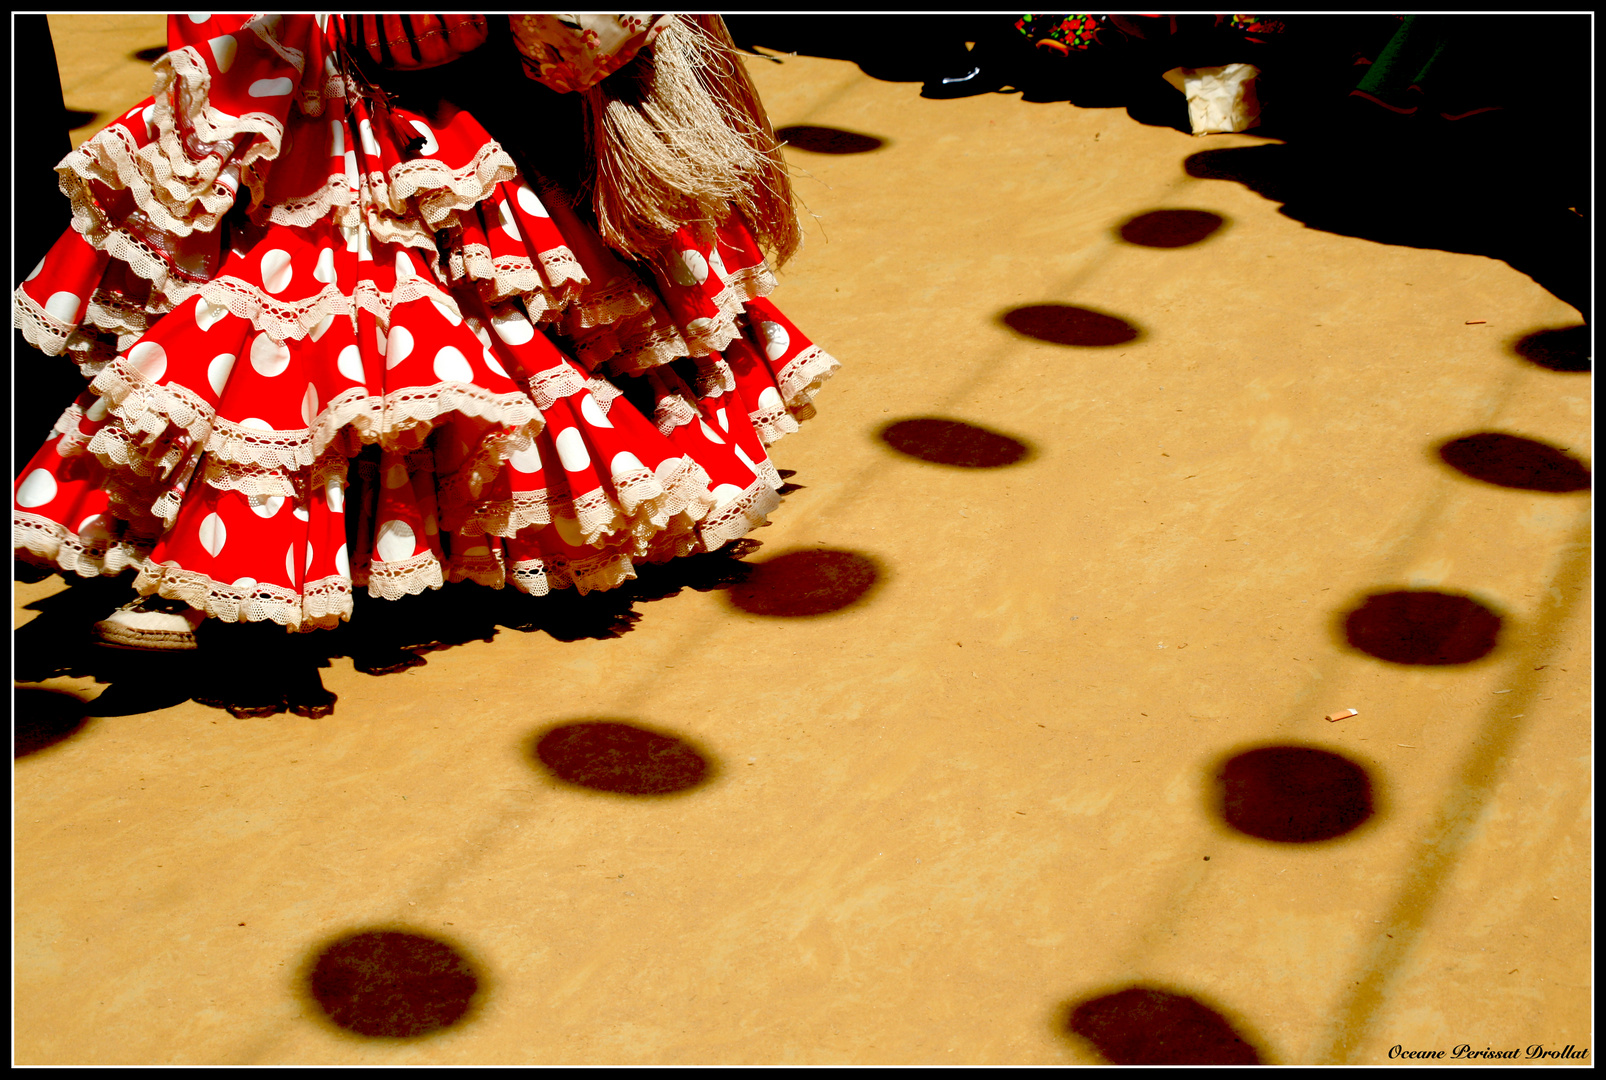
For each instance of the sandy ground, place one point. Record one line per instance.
(1021, 760)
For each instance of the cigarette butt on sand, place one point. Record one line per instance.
(1476, 322)
(1343, 714)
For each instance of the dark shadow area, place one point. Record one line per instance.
(828, 140)
(1171, 228)
(1515, 462)
(1399, 193)
(1563, 349)
(892, 48)
(954, 442)
(1144, 1025)
(809, 582)
(77, 118)
(384, 637)
(1066, 324)
(1421, 627)
(41, 718)
(622, 758)
(1292, 794)
(392, 984)
(151, 55)
(39, 139)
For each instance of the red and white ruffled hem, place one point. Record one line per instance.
(357, 384)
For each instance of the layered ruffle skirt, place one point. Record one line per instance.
(322, 358)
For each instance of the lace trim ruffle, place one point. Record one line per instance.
(408, 577)
(740, 516)
(320, 604)
(54, 544)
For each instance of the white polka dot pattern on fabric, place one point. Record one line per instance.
(309, 405)
(452, 366)
(343, 562)
(350, 363)
(301, 513)
(396, 477)
(530, 203)
(212, 534)
(269, 357)
(276, 270)
(37, 490)
(63, 307)
(94, 529)
(699, 326)
(223, 50)
(396, 541)
(512, 327)
(334, 494)
(625, 462)
(265, 506)
(353, 177)
(307, 568)
(430, 145)
(769, 398)
(290, 563)
(256, 424)
(593, 412)
(208, 314)
(716, 262)
(404, 266)
(217, 372)
(569, 529)
(431, 526)
(724, 421)
(689, 268)
(325, 270)
(478, 551)
(198, 18)
(365, 132)
(36, 270)
(398, 346)
(317, 332)
(776, 339)
(147, 117)
(97, 412)
(493, 363)
(245, 583)
(504, 215)
(270, 88)
(447, 312)
(741, 456)
(337, 138)
(149, 359)
(709, 433)
(572, 449)
(527, 460)
(726, 493)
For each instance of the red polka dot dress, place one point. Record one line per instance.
(328, 350)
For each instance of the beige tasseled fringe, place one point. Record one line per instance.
(679, 139)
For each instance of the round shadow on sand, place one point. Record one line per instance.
(1292, 794)
(1170, 228)
(621, 758)
(42, 718)
(1065, 324)
(828, 140)
(392, 984)
(1144, 1025)
(1564, 349)
(803, 583)
(1515, 462)
(1421, 627)
(953, 442)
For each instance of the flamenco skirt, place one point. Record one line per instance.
(321, 360)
